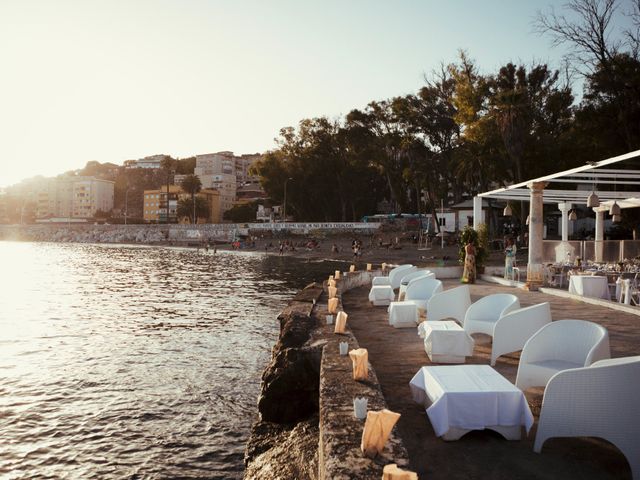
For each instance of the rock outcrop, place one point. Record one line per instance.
(284, 441)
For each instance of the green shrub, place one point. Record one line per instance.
(480, 239)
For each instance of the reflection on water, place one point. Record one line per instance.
(134, 362)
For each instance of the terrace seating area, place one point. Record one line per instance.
(551, 352)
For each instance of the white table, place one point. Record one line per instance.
(381, 295)
(461, 398)
(589, 286)
(445, 341)
(403, 314)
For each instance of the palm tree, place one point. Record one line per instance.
(191, 184)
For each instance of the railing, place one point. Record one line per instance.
(590, 250)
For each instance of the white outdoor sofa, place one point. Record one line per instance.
(482, 315)
(405, 314)
(452, 303)
(512, 330)
(409, 277)
(382, 288)
(558, 346)
(394, 277)
(381, 293)
(600, 400)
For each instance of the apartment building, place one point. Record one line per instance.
(226, 185)
(155, 205)
(4, 207)
(213, 199)
(150, 162)
(230, 174)
(243, 167)
(71, 196)
(221, 163)
(218, 171)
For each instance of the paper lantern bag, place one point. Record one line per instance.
(360, 360)
(336, 275)
(332, 305)
(352, 268)
(392, 472)
(332, 292)
(341, 322)
(369, 267)
(376, 431)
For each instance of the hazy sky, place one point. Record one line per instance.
(120, 79)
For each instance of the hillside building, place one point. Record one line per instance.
(71, 197)
(155, 205)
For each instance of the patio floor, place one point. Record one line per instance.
(397, 354)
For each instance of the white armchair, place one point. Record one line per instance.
(596, 401)
(381, 293)
(451, 303)
(410, 277)
(512, 330)
(558, 346)
(421, 290)
(394, 277)
(482, 315)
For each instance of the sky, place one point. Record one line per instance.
(115, 80)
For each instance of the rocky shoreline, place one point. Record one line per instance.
(284, 441)
(306, 427)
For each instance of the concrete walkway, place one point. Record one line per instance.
(397, 354)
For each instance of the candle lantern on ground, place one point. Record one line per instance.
(376, 431)
(360, 360)
(341, 322)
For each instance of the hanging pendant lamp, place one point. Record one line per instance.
(573, 216)
(616, 218)
(527, 220)
(615, 209)
(507, 211)
(593, 200)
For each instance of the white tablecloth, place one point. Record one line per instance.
(588, 286)
(403, 314)
(381, 295)
(446, 341)
(469, 397)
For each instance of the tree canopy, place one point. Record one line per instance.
(466, 131)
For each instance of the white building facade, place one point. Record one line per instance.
(73, 197)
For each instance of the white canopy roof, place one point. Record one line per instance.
(593, 175)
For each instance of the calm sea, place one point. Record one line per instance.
(134, 362)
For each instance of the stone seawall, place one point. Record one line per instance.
(173, 233)
(306, 426)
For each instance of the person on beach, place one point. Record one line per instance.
(469, 273)
(509, 259)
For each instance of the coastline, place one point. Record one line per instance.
(153, 235)
(306, 427)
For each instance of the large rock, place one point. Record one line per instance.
(291, 385)
(278, 452)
